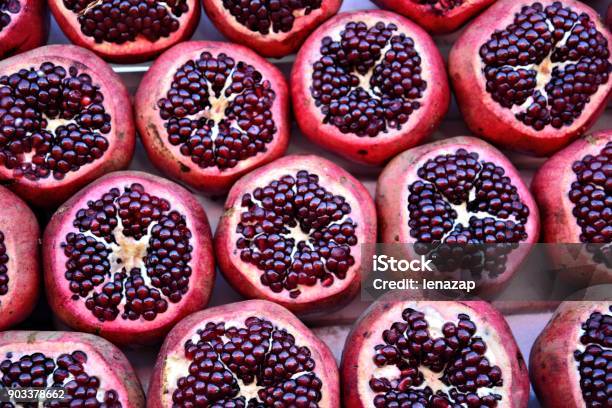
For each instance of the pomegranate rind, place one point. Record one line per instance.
(172, 352)
(245, 277)
(21, 239)
(432, 21)
(370, 150)
(151, 127)
(392, 199)
(104, 360)
(127, 332)
(139, 50)
(50, 192)
(488, 119)
(28, 29)
(550, 187)
(357, 358)
(552, 367)
(274, 44)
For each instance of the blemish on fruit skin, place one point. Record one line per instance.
(362, 152)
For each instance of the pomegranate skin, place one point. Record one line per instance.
(28, 29)
(552, 367)
(434, 21)
(21, 234)
(245, 277)
(274, 45)
(551, 187)
(488, 119)
(121, 331)
(160, 387)
(357, 360)
(365, 149)
(104, 359)
(50, 192)
(168, 158)
(139, 50)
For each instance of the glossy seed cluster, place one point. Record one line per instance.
(554, 41)
(497, 214)
(296, 202)
(458, 357)
(369, 81)
(122, 21)
(29, 100)
(595, 360)
(4, 258)
(266, 16)
(219, 111)
(8, 7)
(226, 357)
(66, 371)
(441, 6)
(113, 226)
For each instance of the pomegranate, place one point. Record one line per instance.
(570, 360)
(252, 353)
(128, 257)
(295, 232)
(368, 85)
(91, 371)
(24, 24)
(437, 16)
(532, 75)
(405, 353)
(19, 260)
(464, 204)
(127, 31)
(65, 119)
(209, 112)
(574, 192)
(272, 28)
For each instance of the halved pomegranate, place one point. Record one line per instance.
(272, 28)
(295, 232)
(127, 31)
(65, 120)
(405, 353)
(368, 85)
(209, 112)
(246, 354)
(532, 75)
(19, 260)
(465, 203)
(574, 192)
(570, 360)
(128, 257)
(437, 16)
(90, 370)
(24, 24)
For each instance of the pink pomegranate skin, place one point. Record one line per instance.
(364, 149)
(552, 367)
(104, 360)
(489, 120)
(357, 358)
(274, 44)
(151, 128)
(21, 234)
(161, 387)
(28, 29)
(433, 20)
(50, 192)
(123, 331)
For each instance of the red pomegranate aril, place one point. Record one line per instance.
(19, 260)
(272, 28)
(24, 25)
(368, 85)
(533, 75)
(128, 257)
(209, 112)
(91, 371)
(295, 232)
(252, 353)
